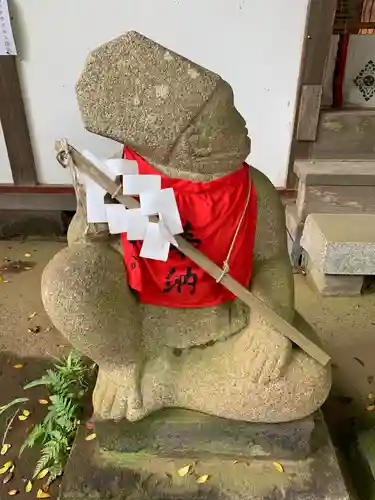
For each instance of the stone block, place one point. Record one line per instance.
(176, 431)
(93, 473)
(331, 285)
(341, 244)
(335, 172)
(334, 199)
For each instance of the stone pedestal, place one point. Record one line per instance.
(242, 460)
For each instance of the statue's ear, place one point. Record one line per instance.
(138, 93)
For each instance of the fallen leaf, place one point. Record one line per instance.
(43, 402)
(42, 474)
(5, 468)
(22, 417)
(11, 493)
(278, 467)
(49, 328)
(8, 478)
(5, 449)
(27, 254)
(32, 315)
(184, 470)
(18, 366)
(370, 395)
(35, 329)
(27, 268)
(28, 487)
(42, 494)
(202, 479)
(370, 408)
(27, 413)
(90, 437)
(12, 468)
(1, 277)
(359, 361)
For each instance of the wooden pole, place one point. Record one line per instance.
(14, 124)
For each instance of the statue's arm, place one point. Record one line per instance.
(272, 279)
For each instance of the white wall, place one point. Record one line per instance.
(255, 45)
(5, 171)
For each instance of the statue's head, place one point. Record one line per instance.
(176, 114)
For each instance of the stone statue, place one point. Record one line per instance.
(224, 360)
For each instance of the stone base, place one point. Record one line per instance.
(177, 432)
(95, 473)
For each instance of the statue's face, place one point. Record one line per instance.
(217, 139)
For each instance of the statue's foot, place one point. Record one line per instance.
(117, 395)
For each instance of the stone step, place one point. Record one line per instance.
(335, 187)
(340, 244)
(335, 172)
(345, 133)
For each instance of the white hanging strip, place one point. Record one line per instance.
(137, 224)
(120, 166)
(95, 207)
(134, 185)
(100, 164)
(117, 218)
(155, 246)
(166, 233)
(157, 236)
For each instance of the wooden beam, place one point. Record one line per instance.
(318, 35)
(14, 124)
(309, 109)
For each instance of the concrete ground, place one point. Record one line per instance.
(21, 266)
(346, 326)
(28, 344)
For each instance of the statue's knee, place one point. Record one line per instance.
(81, 272)
(312, 383)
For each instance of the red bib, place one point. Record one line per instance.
(210, 213)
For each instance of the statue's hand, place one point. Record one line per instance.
(117, 393)
(268, 350)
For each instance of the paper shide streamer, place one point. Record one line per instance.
(156, 236)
